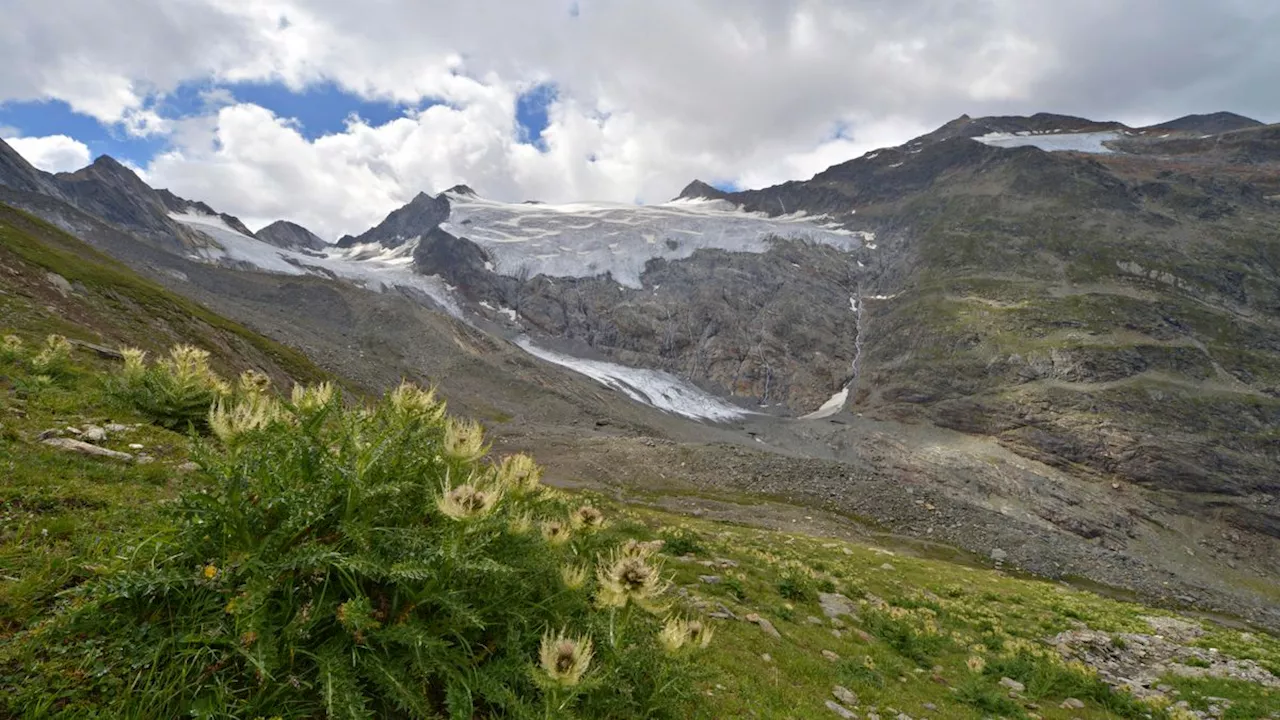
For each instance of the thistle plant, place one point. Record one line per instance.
(11, 349)
(54, 357)
(177, 392)
(370, 562)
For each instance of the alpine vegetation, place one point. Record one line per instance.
(344, 561)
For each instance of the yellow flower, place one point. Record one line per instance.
(556, 532)
(628, 578)
(519, 472)
(587, 518)
(565, 659)
(464, 440)
(640, 549)
(976, 664)
(414, 401)
(467, 502)
(210, 571)
(57, 350)
(574, 576)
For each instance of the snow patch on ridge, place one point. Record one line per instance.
(650, 387)
(1088, 142)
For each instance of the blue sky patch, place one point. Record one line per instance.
(55, 117)
(319, 109)
(531, 113)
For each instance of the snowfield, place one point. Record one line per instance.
(1089, 142)
(586, 239)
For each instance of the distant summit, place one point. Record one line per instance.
(698, 190)
(1210, 124)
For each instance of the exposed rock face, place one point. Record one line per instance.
(420, 216)
(292, 236)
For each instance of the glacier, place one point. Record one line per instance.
(586, 239)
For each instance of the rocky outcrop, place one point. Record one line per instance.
(1212, 123)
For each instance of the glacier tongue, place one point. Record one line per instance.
(651, 387)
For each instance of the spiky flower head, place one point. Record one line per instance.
(413, 401)
(556, 532)
(253, 382)
(230, 419)
(672, 635)
(677, 633)
(519, 473)
(976, 664)
(312, 398)
(135, 362)
(464, 440)
(587, 518)
(468, 502)
(565, 659)
(521, 524)
(699, 633)
(574, 576)
(628, 578)
(641, 548)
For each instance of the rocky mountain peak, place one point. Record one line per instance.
(421, 215)
(698, 190)
(289, 235)
(461, 189)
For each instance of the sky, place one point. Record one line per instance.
(332, 113)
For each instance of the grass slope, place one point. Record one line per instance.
(109, 304)
(908, 646)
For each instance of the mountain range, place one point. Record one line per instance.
(1047, 340)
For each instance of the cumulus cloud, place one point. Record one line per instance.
(52, 153)
(650, 93)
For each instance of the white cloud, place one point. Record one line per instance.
(652, 93)
(52, 153)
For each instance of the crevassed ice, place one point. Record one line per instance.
(651, 387)
(1090, 142)
(372, 266)
(586, 239)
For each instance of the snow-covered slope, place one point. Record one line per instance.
(1089, 142)
(585, 239)
(373, 267)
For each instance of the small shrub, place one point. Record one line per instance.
(177, 392)
(988, 698)
(796, 584)
(681, 541)
(735, 588)
(369, 563)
